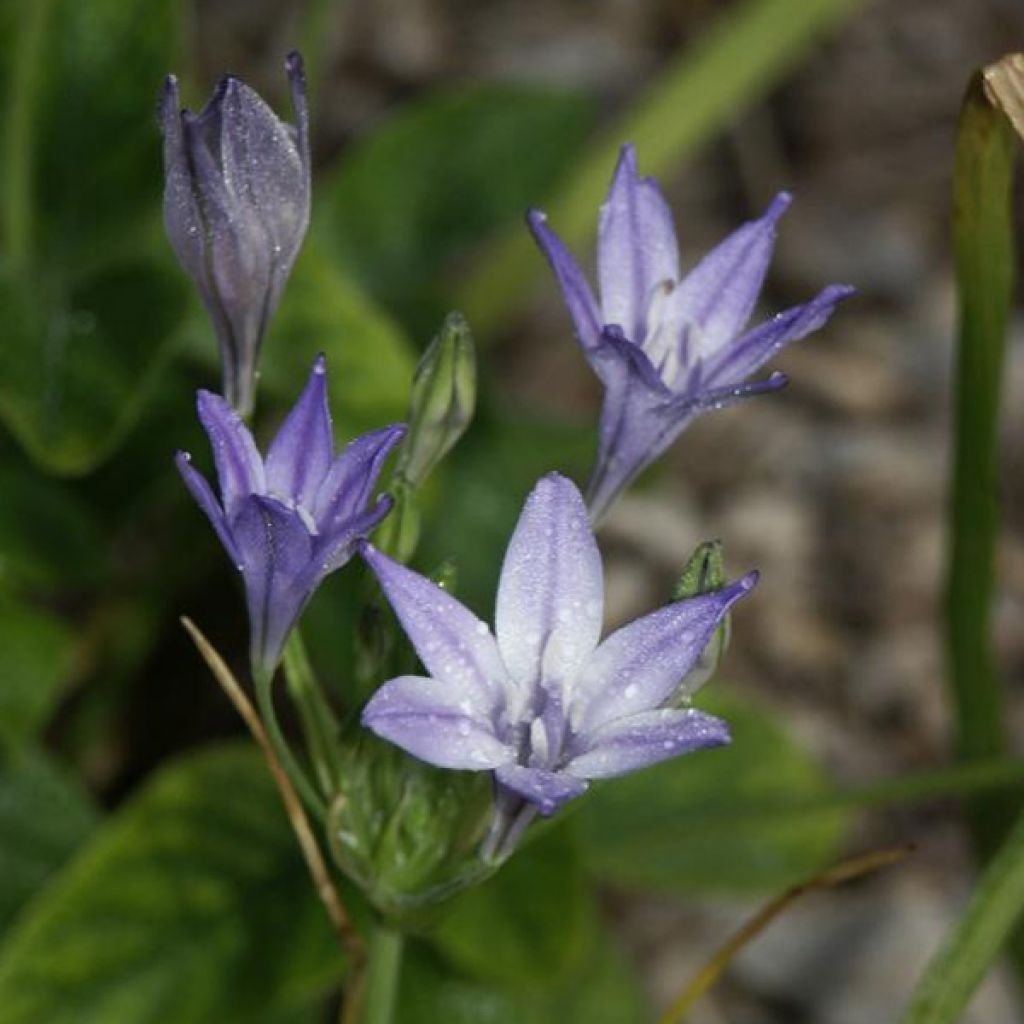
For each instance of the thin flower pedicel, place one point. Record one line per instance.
(668, 347)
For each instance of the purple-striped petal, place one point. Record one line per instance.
(551, 594)
(274, 549)
(575, 290)
(207, 501)
(719, 294)
(546, 790)
(636, 248)
(239, 466)
(640, 665)
(456, 647)
(353, 474)
(747, 355)
(301, 453)
(332, 550)
(438, 722)
(629, 744)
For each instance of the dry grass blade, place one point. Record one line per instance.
(325, 888)
(846, 871)
(1004, 88)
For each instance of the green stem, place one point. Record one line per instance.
(319, 726)
(265, 700)
(24, 87)
(383, 970)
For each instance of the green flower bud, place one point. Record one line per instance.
(704, 573)
(442, 402)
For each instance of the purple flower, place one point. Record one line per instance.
(668, 347)
(541, 702)
(236, 207)
(288, 520)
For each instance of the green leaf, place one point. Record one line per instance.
(751, 48)
(442, 174)
(530, 925)
(709, 822)
(36, 655)
(81, 358)
(604, 990)
(191, 904)
(983, 226)
(370, 361)
(44, 817)
(49, 537)
(995, 908)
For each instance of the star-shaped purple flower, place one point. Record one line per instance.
(541, 702)
(236, 207)
(668, 347)
(289, 520)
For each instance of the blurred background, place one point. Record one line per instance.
(435, 123)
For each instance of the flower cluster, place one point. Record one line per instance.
(541, 702)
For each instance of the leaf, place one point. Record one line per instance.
(44, 817)
(191, 904)
(969, 952)
(370, 362)
(36, 655)
(49, 536)
(442, 174)
(709, 822)
(530, 925)
(89, 296)
(983, 246)
(747, 52)
(604, 990)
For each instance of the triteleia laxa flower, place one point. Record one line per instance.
(288, 520)
(540, 702)
(236, 207)
(668, 347)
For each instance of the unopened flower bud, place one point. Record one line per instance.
(704, 573)
(442, 402)
(236, 208)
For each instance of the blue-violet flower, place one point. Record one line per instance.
(668, 347)
(236, 207)
(289, 520)
(540, 702)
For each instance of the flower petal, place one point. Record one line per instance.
(239, 466)
(575, 290)
(352, 477)
(640, 740)
(639, 419)
(737, 362)
(301, 453)
(640, 665)
(636, 248)
(437, 722)
(551, 594)
(333, 549)
(207, 501)
(456, 647)
(546, 790)
(274, 550)
(720, 293)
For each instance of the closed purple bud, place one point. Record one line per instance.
(236, 208)
(293, 517)
(666, 345)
